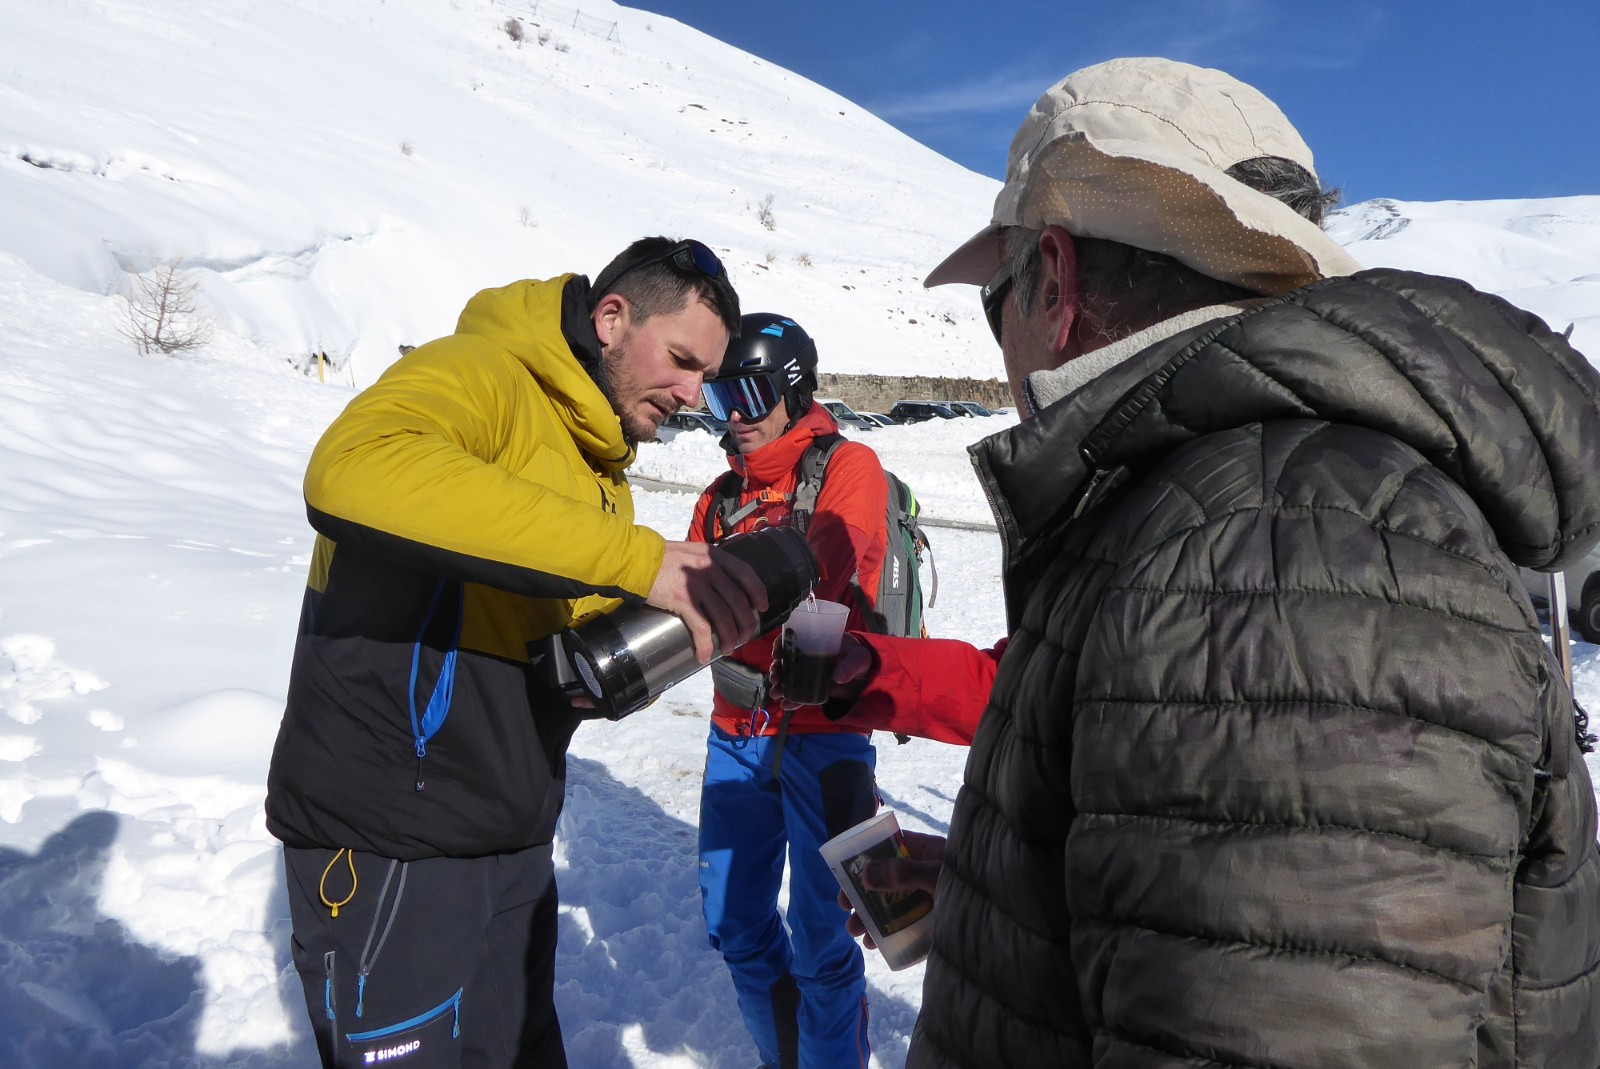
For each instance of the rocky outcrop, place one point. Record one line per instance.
(875, 393)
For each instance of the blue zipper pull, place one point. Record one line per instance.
(361, 992)
(327, 987)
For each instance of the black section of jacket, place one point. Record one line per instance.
(1278, 770)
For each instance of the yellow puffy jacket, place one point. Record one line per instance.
(472, 499)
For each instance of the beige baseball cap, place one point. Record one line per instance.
(1135, 150)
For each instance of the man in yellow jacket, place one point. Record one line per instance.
(468, 504)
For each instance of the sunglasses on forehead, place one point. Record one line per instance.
(688, 256)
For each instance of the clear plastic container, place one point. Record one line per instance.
(809, 649)
(900, 922)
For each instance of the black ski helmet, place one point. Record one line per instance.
(769, 343)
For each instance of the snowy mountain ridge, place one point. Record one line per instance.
(1541, 254)
(340, 178)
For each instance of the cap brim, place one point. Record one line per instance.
(974, 263)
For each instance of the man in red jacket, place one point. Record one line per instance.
(777, 781)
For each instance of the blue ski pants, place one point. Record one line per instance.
(802, 990)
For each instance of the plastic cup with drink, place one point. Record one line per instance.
(809, 648)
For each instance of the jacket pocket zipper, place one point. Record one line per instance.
(327, 985)
(449, 1005)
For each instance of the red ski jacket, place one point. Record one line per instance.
(846, 533)
(933, 688)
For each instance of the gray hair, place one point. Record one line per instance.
(1123, 289)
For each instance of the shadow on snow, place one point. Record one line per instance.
(635, 976)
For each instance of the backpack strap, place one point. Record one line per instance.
(813, 467)
(813, 470)
(724, 512)
(923, 546)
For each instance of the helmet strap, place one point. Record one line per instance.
(797, 402)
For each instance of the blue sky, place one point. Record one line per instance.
(1411, 99)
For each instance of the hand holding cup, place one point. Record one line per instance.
(852, 668)
(808, 650)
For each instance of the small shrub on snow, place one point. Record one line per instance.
(161, 312)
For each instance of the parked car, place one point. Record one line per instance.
(880, 419)
(692, 420)
(971, 408)
(917, 411)
(1583, 594)
(845, 415)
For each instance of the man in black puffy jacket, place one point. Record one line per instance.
(1275, 768)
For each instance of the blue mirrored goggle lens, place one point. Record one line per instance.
(753, 396)
(704, 260)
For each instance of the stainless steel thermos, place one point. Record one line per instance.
(624, 660)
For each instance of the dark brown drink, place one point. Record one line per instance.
(807, 677)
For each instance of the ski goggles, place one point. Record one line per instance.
(751, 395)
(688, 256)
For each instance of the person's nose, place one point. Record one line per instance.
(687, 391)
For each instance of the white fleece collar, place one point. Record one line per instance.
(1045, 388)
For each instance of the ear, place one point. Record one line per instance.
(611, 318)
(1058, 285)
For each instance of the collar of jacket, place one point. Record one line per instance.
(1487, 393)
(577, 327)
(779, 459)
(1044, 388)
(545, 325)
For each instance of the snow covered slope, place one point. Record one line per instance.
(1543, 255)
(344, 176)
(341, 177)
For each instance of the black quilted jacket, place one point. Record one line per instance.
(1277, 770)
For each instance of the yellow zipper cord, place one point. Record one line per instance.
(322, 891)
